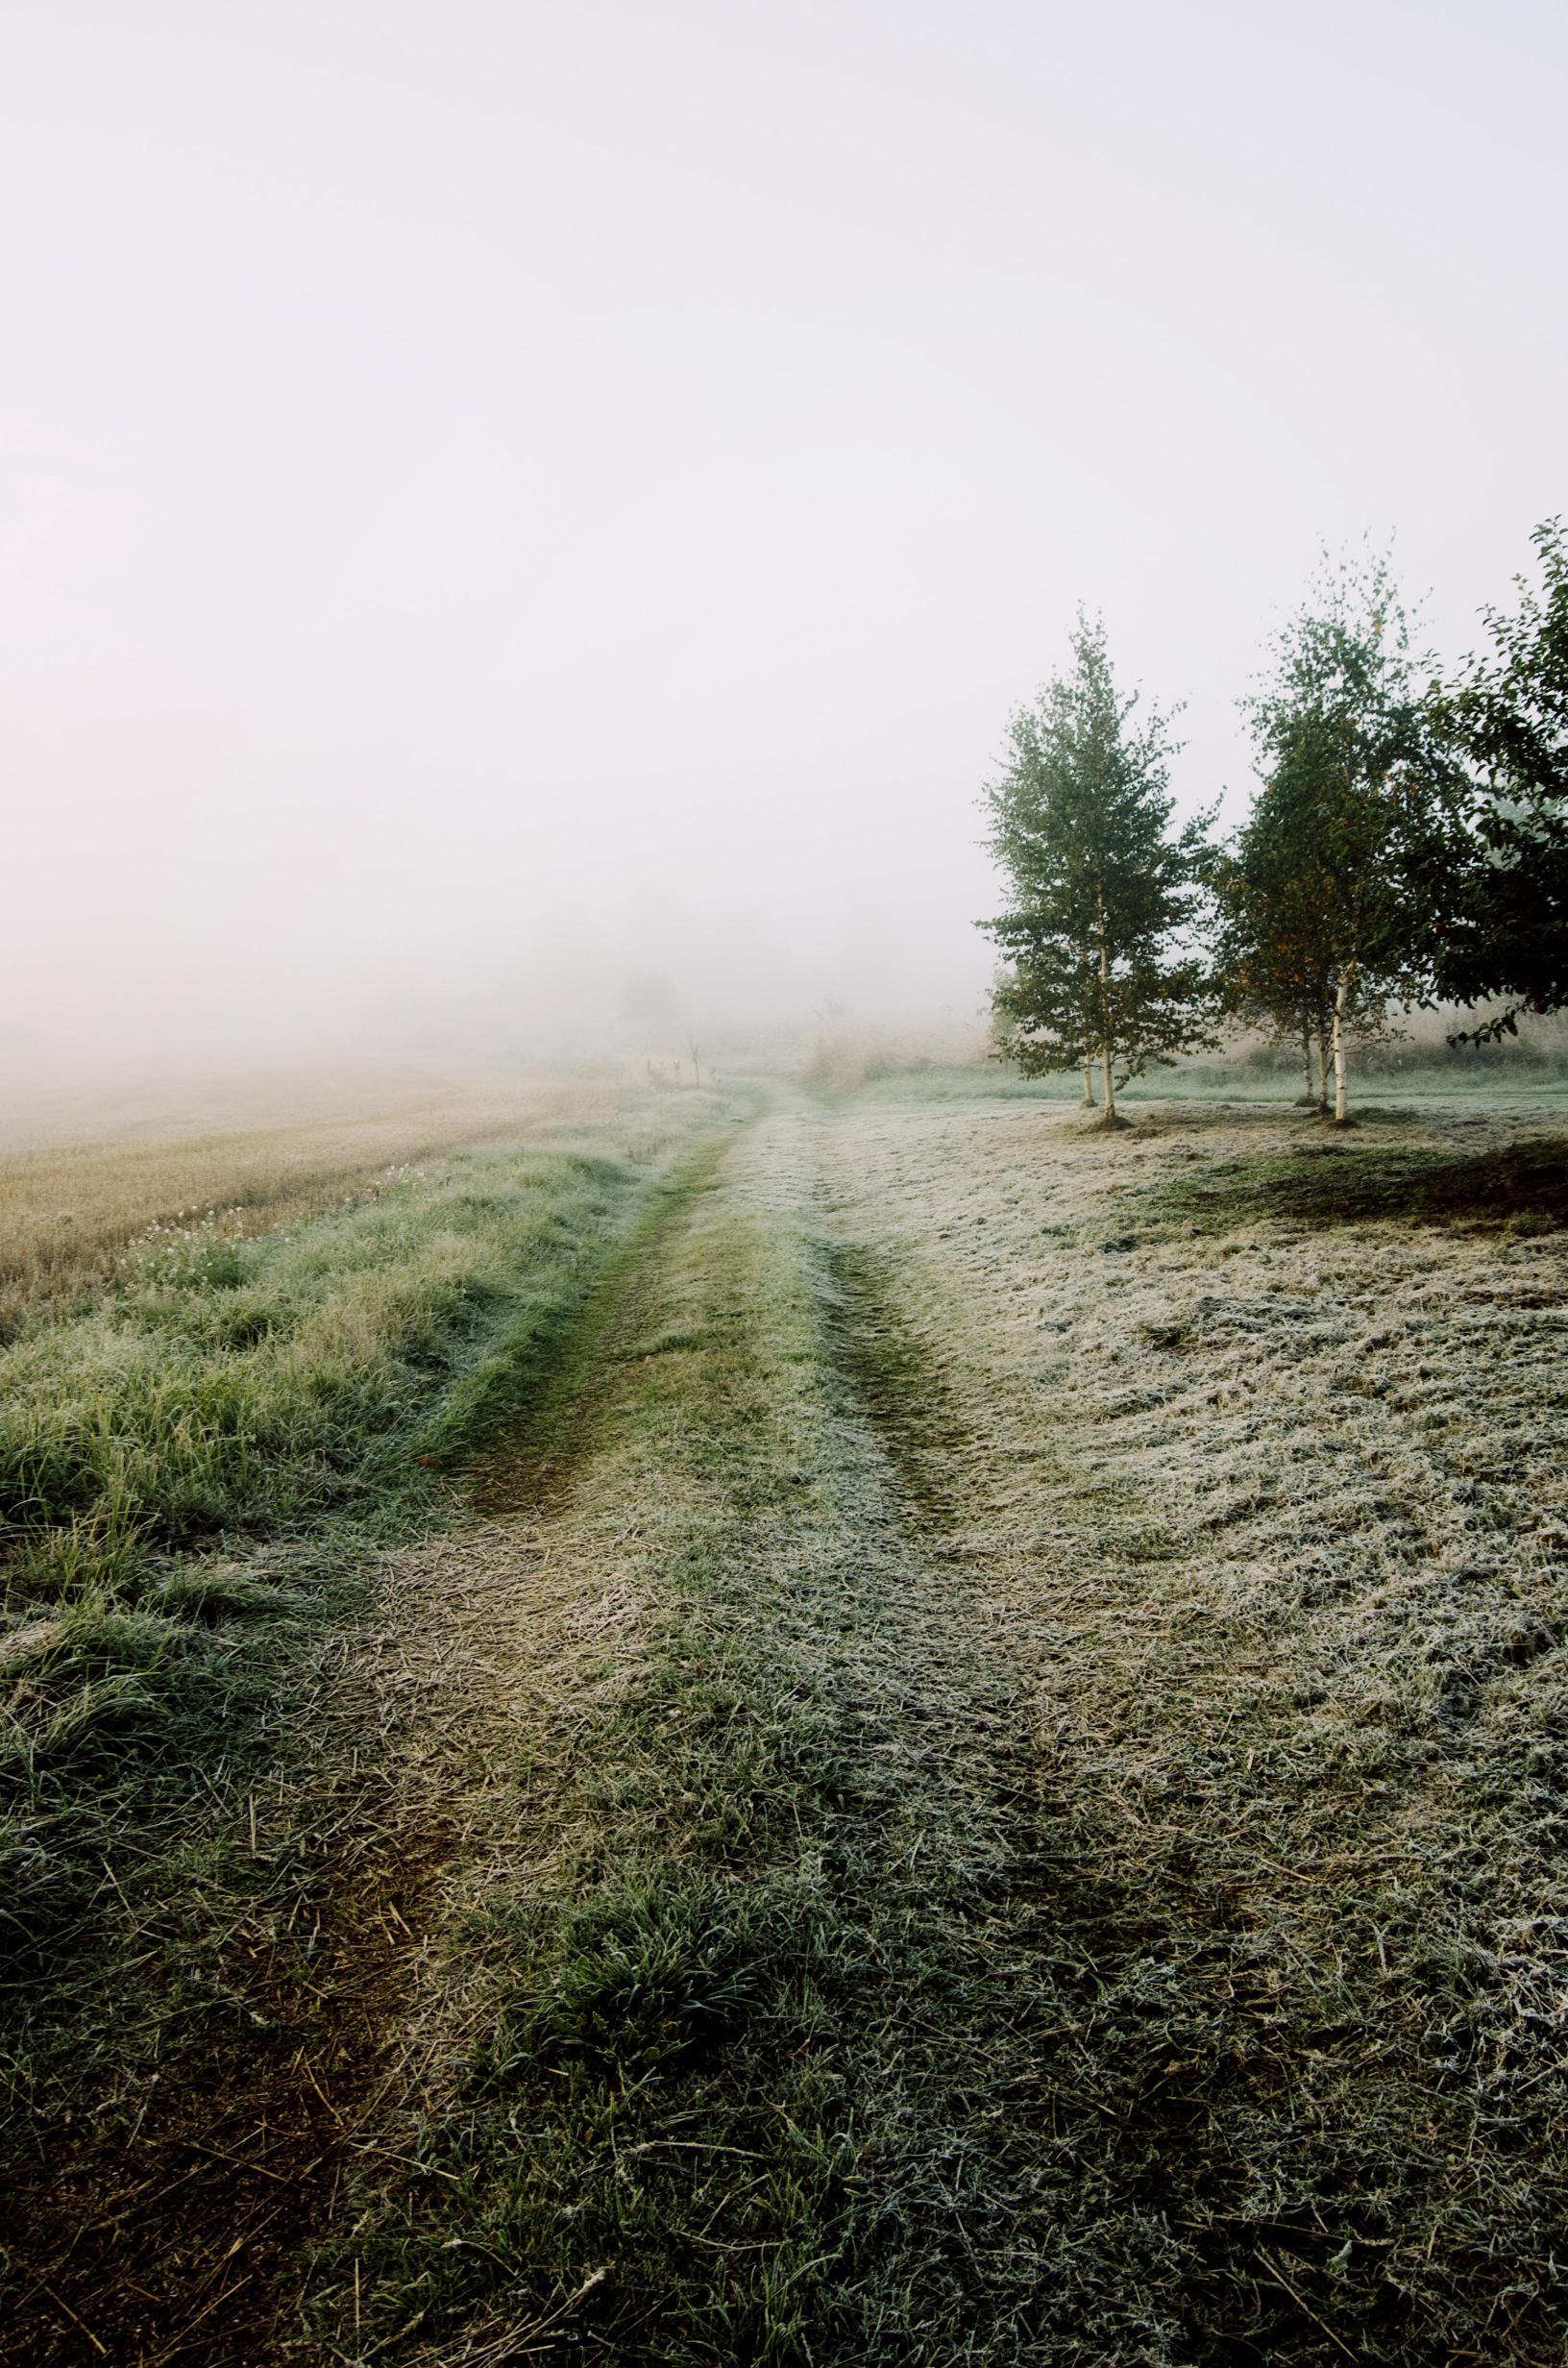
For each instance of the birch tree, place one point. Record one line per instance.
(1098, 968)
(1370, 806)
(1270, 942)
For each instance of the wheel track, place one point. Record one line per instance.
(861, 1831)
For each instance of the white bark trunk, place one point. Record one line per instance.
(1341, 995)
(1105, 1021)
(1088, 1087)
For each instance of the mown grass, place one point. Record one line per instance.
(1522, 1186)
(1275, 1523)
(191, 1473)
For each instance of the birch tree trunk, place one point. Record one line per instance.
(1342, 998)
(1104, 1023)
(1089, 1085)
(1322, 1071)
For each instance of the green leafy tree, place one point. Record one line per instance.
(1276, 931)
(1270, 967)
(1364, 810)
(1097, 969)
(1506, 929)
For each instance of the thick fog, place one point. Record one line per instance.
(503, 502)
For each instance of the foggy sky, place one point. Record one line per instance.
(499, 496)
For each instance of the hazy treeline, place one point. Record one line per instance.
(1406, 847)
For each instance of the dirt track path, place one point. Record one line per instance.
(745, 1875)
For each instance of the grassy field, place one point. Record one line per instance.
(975, 1770)
(74, 1192)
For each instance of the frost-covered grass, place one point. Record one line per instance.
(1042, 1828)
(1375, 1095)
(1257, 1438)
(997, 1795)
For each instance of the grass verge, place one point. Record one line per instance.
(68, 1212)
(192, 1477)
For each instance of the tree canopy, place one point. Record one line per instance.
(1103, 892)
(1334, 888)
(1407, 845)
(1506, 717)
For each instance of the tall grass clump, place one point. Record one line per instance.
(233, 1388)
(191, 1467)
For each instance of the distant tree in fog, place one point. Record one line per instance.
(1103, 894)
(647, 1001)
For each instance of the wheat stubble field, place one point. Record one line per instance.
(760, 1727)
